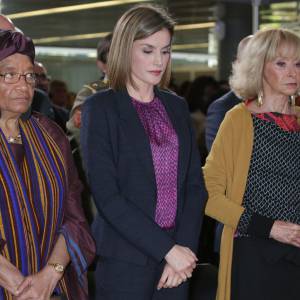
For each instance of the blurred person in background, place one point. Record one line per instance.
(143, 167)
(71, 100)
(58, 93)
(42, 77)
(184, 88)
(41, 101)
(218, 108)
(74, 124)
(202, 91)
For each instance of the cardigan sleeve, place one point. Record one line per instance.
(219, 172)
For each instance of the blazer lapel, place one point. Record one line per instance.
(135, 132)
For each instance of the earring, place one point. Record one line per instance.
(260, 98)
(292, 100)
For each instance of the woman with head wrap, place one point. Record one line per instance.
(45, 245)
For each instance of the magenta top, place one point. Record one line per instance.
(164, 147)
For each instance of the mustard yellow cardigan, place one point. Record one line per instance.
(225, 174)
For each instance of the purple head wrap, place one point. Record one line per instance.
(12, 42)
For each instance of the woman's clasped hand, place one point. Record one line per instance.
(181, 261)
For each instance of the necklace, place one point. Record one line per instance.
(14, 139)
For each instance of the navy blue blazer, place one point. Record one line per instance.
(215, 115)
(119, 166)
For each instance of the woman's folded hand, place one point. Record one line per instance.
(39, 286)
(182, 260)
(286, 232)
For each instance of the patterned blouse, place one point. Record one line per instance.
(273, 183)
(164, 147)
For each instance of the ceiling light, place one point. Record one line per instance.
(284, 5)
(279, 18)
(195, 26)
(270, 26)
(189, 46)
(95, 35)
(65, 38)
(64, 9)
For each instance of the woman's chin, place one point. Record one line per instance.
(16, 113)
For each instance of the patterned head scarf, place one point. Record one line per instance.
(12, 42)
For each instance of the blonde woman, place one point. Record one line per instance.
(253, 170)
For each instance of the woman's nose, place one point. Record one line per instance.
(158, 59)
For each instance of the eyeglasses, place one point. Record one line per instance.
(12, 78)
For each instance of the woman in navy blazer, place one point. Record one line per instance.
(143, 167)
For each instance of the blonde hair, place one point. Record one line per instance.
(137, 23)
(264, 46)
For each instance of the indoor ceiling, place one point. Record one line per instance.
(83, 27)
(80, 24)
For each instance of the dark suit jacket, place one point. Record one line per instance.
(215, 115)
(118, 159)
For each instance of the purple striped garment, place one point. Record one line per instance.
(164, 147)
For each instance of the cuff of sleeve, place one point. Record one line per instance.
(260, 226)
(169, 249)
(78, 260)
(164, 249)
